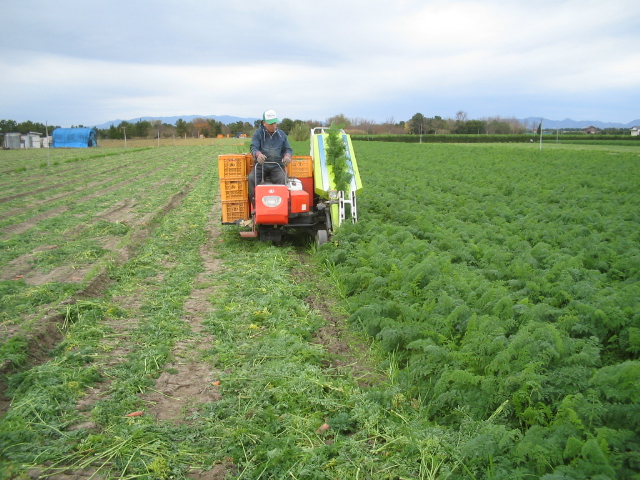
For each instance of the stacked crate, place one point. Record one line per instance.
(249, 159)
(232, 170)
(301, 167)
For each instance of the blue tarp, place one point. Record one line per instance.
(81, 137)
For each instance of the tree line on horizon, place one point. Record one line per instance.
(299, 129)
(11, 126)
(418, 124)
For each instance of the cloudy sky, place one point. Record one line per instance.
(87, 62)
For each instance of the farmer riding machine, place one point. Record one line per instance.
(319, 193)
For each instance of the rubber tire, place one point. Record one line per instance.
(321, 237)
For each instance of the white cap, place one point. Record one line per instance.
(270, 117)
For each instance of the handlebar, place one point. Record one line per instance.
(284, 170)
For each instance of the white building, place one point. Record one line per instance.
(17, 140)
(11, 140)
(30, 140)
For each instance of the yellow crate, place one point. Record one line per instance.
(232, 166)
(235, 210)
(300, 166)
(249, 159)
(233, 189)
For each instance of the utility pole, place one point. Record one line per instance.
(540, 134)
(46, 129)
(124, 129)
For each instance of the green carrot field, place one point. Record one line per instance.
(480, 321)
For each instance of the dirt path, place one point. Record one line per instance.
(189, 380)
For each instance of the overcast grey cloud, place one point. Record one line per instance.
(71, 62)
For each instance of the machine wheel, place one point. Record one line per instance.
(271, 235)
(322, 237)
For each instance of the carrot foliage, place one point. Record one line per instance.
(495, 274)
(337, 159)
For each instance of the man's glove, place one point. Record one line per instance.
(260, 157)
(286, 160)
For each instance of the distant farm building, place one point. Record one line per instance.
(81, 137)
(31, 140)
(11, 140)
(592, 130)
(18, 140)
(635, 131)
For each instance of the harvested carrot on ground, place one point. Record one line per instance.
(135, 414)
(323, 428)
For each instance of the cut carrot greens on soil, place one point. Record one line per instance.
(479, 321)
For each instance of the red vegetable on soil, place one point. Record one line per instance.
(323, 428)
(135, 414)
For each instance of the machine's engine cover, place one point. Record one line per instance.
(272, 205)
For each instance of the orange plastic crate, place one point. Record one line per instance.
(249, 159)
(231, 166)
(301, 167)
(233, 189)
(235, 210)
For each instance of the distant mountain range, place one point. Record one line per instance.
(531, 121)
(226, 119)
(568, 123)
